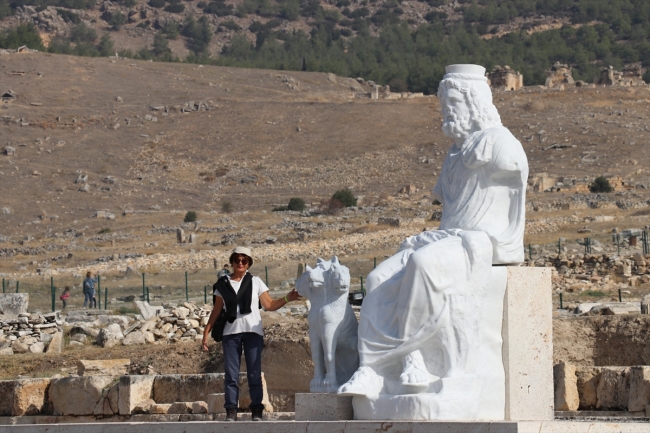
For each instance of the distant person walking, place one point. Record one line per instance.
(243, 329)
(223, 272)
(89, 289)
(64, 297)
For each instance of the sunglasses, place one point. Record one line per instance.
(242, 260)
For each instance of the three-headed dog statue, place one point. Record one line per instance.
(332, 324)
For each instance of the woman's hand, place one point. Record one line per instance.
(293, 295)
(204, 344)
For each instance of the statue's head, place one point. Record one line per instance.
(466, 101)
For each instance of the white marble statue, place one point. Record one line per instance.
(332, 324)
(430, 328)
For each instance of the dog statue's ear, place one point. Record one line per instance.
(335, 260)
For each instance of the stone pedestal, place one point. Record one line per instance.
(323, 407)
(528, 344)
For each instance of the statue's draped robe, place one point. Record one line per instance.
(428, 296)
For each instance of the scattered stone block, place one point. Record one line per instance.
(199, 407)
(133, 390)
(147, 310)
(244, 393)
(103, 367)
(613, 389)
(159, 408)
(566, 387)
(144, 406)
(12, 304)
(323, 407)
(23, 397)
(110, 336)
(170, 388)
(56, 344)
(180, 408)
(37, 347)
(215, 403)
(588, 380)
(77, 395)
(19, 347)
(134, 338)
(639, 378)
(6, 351)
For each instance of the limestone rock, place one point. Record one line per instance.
(12, 304)
(159, 408)
(639, 388)
(613, 389)
(199, 407)
(37, 347)
(134, 338)
(244, 393)
(144, 406)
(104, 367)
(110, 336)
(171, 388)
(6, 351)
(566, 387)
(588, 380)
(133, 390)
(147, 310)
(180, 408)
(23, 397)
(19, 347)
(77, 395)
(55, 344)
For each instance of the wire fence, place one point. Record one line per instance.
(118, 291)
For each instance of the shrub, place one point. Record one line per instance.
(117, 20)
(190, 217)
(601, 184)
(69, 16)
(231, 25)
(156, 3)
(296, 204)
(175, 8)
(346, 197)
(226, 206)
(83, 33)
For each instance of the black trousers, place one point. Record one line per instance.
(252, 344)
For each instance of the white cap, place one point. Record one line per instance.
(466, 69)
(242, 250)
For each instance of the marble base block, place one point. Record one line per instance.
(528, 344)
(323, 407)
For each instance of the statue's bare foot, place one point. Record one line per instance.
(415, 374)
(363, 382)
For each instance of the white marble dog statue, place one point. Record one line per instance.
(332, 324)
(430, 329)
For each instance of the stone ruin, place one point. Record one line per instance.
(631, 75)
(558, 76)
(505, 78)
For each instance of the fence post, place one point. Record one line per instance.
(3, 285)
(105, 298)
(618, 243)
(143, 288)
(530, 252)
(559, 247)
(266, 271)
(375, 263)
(620, 296)
(17, 286)
(205, 294)
(148, 295)
(362, 289)
(99, 292)
(52, 293)
(187, 293)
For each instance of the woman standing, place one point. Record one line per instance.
(243, 330)
(89, 289)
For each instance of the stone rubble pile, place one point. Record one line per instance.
(155, 325)
(29, 333)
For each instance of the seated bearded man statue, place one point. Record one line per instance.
(430, 328)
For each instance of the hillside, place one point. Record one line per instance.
(111, 153)
(401, 43)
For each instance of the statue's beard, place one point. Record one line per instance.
(457, 128)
